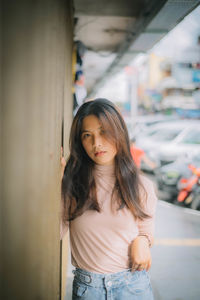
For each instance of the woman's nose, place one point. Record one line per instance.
(97, 141)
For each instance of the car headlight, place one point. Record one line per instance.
(171, 177)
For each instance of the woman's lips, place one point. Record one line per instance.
(100, 153)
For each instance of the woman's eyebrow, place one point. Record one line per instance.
(85, 130)
(88, 130)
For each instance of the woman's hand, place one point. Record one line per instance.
(62, 163)
(140, 254)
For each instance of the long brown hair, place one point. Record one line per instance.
(78, 184)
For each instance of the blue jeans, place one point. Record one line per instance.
(116, 286)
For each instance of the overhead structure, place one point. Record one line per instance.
(115, 31)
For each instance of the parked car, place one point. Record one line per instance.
(165, 142)
(141, 124)
(144, 123)
(186, 143)
(169, 175)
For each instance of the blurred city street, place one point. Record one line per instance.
(176, 256)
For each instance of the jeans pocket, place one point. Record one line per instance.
(139, 283)
(79, 290)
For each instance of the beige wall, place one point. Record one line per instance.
(37, 46)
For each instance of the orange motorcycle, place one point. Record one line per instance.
(189, 189)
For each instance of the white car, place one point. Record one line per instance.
(186, 144)
(165, 142)
(141, 123)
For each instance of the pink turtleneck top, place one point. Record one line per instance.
(100, 242)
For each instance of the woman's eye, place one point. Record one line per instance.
(86, 135)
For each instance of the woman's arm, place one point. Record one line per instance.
(62, 163)
(140, 248)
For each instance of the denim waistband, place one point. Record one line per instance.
(99, 280)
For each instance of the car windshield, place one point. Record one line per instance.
(192, 137)
(164, 134)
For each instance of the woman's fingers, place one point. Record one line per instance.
(142, 266)
(62, 162)
(135, 267)
(62, 159)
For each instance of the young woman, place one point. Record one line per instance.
(108, 207)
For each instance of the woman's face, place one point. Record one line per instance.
(95, 142)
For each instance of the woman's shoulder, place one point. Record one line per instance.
(149, 192)
(146, 181)
(149, 185)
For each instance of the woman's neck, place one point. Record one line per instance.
(105, 169)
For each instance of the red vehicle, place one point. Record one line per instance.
(189, 189)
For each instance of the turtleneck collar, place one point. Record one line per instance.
(104, 178)
(105, 170)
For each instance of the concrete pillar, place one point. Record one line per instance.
(36, 94)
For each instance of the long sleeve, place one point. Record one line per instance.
(146, 227)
